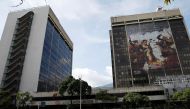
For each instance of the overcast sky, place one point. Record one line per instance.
(87, 22)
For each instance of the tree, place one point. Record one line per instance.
(22, 98)
(103, 95)
(5, 100)
(71, 86)
(74, 88)
(65, 85)
(135, 100)
(182, 95)
(177, 96)
(181, 98)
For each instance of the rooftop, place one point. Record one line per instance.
(147, 17)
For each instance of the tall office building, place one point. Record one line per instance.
(149, 48)
(36, 52)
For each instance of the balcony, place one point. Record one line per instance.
(14, 62)
(24, 23)
(8, 85)
(22, 41)
(14, 67)
(17, 54)
(11, 76)
(17, 49)
(19, 36)
(25, 29)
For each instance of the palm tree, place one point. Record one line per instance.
(167, 1)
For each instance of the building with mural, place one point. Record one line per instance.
(150, 48)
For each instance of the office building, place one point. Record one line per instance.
(150, 48)
(36, 52)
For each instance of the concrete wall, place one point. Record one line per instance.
(32, 63)
(159, 14)
(30, 73)
(6, 42)
(30, 76)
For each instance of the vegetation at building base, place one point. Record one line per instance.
(180, 99)
(103, 95)
(23, 99)
(134, 100)
(5, 100)
(183, 95)
(71, 86)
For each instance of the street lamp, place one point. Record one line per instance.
(80, 91)
(147, 68)
(148, 75)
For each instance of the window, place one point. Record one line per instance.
(56, 63)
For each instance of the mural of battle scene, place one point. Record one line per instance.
(151, 49)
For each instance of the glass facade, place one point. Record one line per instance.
(182, 43)
(56, 63)
(121, 64)
(145, 51)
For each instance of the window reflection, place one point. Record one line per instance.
(56, 63)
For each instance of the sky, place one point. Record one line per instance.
(87, 22)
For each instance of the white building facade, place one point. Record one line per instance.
(36, 52)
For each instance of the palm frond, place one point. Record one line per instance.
(167, 1)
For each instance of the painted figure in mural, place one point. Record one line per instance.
(153, 50)
(148, 51)
(165, 44)
(136, 54)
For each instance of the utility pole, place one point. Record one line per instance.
(80, 91)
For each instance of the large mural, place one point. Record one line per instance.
(151, 48)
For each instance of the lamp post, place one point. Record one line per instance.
(147, 68)
(148, 75)
(38, 105)
(80, 91)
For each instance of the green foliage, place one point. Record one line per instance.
(177, 96)
(182, 95)
(167, 1)
(74, 88)
(103, 95)
(65, 85)
(5, 100)
(135, 99)
(22, 98)
(71, 86)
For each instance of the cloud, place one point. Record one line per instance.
(93, 77)
(91, 38)
(76, 9)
